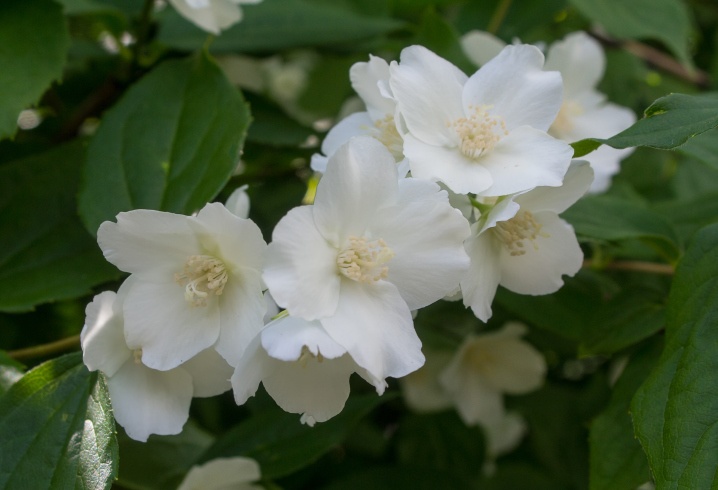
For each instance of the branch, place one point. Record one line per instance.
(45, 350)
(632, 265)
(657, 58)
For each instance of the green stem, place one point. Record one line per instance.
(499, 15)
(46, 350)
(143, 32)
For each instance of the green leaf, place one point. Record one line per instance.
(412, 477)
(675, 412)
(50, 256)
(273, 127)
(282, 445)
(608, 218)
(302, 23)
(617, 461)
(441, 441)
(57, 429)
(703, 147)
(690, 215)
(34, 42)
(162, 461)
(625, 320)
(171, 143)
(668, 123)
(665, 20)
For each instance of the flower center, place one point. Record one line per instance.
(307, 356)
(515, 231)
(388, 135)
(137, 356)
(364, 261)
(202, 275)
(479, 132)
(564, 123)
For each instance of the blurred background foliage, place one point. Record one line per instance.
(290, 58)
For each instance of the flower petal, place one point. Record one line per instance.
(285, 338)
(365, 77)
(580, 60)
(235, 241)
(217, 16)
(558, 199)
(515, 87)
(355, 124)
(144, 240)
(426, 235)
(525, 159)
(554, 253)
(145, 401)
(374, 324)
(223, 474)
(102, 337)
(210, 373)
(427, 89)
(301, 270)
(437, 163)
(242, 309)
(361, 177)
(476, 401)
(167, 328)
(481, 47)
(479, 285)
(251, 368)
(315, 388)
(422, 390)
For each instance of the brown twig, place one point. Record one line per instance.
(44, 350)
(657, 58)
(633, 265)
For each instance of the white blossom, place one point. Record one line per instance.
(301, 367)
(371, 81)
(370, 249)
(522, 244)
(585, 112)
(485, 134)
(145, 401)
(196, 282)
(236, 473)
(486, 367)
(211, 15)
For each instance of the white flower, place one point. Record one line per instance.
(211, 15)
(585, 113)
(145, 401)
(371, 81)
(196, 282)
(370, 249)
(523, 245)
(487, 366)
(223, 474)
(301, 367)
(421, 389)
(486, 134)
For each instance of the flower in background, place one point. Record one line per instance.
(371, 81)
(301, 367)
(211, 15)
(585, 112)
(145, 401)
(196, 282)
(368, 251)
(522, 244)
(484, 135)
(223, 474)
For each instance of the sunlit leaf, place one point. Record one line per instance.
(57, 429)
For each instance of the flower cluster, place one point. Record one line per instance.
(446, 185)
